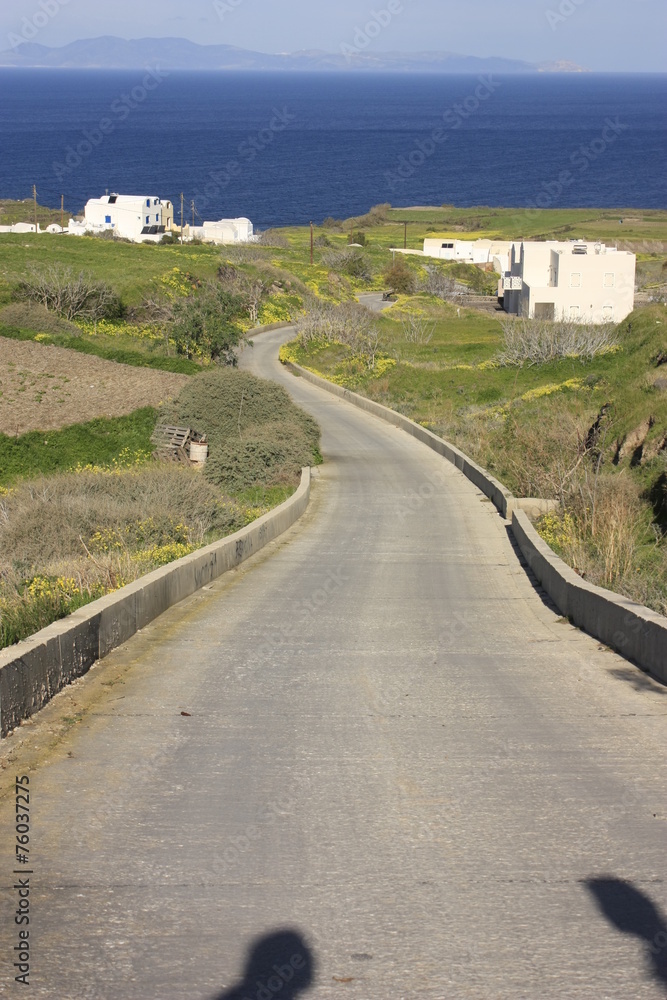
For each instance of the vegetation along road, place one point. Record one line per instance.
(373, 763)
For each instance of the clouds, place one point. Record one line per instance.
(611, 35)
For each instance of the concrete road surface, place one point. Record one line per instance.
(400, 775)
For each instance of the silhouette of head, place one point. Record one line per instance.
(280, 966)
(632, 912)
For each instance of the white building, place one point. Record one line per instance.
(581, 282)
(222, 232)
(467, 251)
(141, 218)
(20, 227)
(481, 252)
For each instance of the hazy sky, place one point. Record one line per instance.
(622, 35)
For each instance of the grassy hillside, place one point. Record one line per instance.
(133, 269)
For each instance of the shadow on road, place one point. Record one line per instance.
(280, 966)
(632, 912)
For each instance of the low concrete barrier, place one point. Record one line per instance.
(33, 671)
(633, 631)
(495, 491)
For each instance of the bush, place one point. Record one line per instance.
(350, 261)
(349, 323)
(204, 324)
(376, 216)
(535, 341)
(399, 277)
(255, 431)
(105, 530)
(58, 289)
(437, 282)
(417, 329)
(31, 316)
(273, 238)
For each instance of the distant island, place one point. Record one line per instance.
(109, 53)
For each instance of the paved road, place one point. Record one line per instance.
(400, 775)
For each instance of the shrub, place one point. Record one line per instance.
(81, 505)
(400, 278)
(437, 282)
(417, 329)
(350, 261)
(204, 324)
(273, 238)
(255, 431)
(58, 289)
(535, 341)
(376, 216)
(105, 530)
(31, 316)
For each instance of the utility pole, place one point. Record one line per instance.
(34, 198)
(182, 199)
(312, 243)
(62, 211)
(405, 236)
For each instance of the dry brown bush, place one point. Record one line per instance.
(47, 521)
(32, 316)
(535, 341)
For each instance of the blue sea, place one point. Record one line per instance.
(289, 148)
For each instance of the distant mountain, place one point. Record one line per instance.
(179, 54)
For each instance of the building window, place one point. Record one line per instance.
(575, 279)
(609, 279)
(148, 220)
(148, 203)
(157, 218)
(107, 219)
(574, 312)
(608, 314)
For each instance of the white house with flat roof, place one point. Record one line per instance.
(481, 252)
(577, 281)
(140, 218)
(467, 251)
(222, 232)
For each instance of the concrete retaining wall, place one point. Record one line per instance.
(32, 672)
(632, 630)
(495, 491)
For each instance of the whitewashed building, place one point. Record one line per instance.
(581, 282)
(480, 252)
(140, 218)
(222, 232)
(21, 228)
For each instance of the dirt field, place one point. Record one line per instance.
(45, 388)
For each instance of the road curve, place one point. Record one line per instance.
(399, 774)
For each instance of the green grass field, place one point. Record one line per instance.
(134, 270)
(98, 443)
